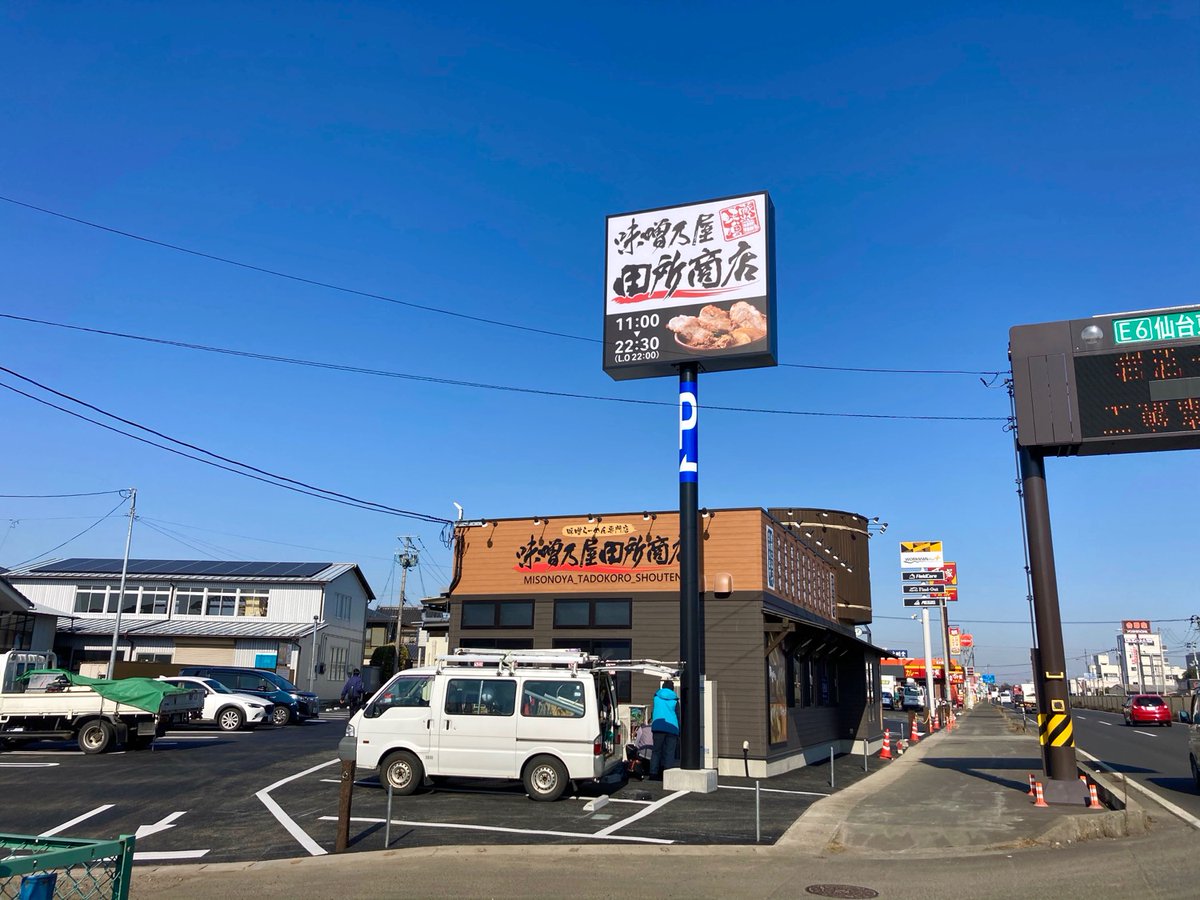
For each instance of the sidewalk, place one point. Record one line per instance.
(964, 790)
(958, 795)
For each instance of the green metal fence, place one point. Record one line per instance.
(37, 868)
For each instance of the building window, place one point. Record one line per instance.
(342, 605)
(605, 648)
(496, 643)
(222, 603)
(143, 656)
(593, 613)
(252, 602)
(16, 631)
(189, 601)
(337, 663)
(481, 697)
(497, 614)
(91, 598)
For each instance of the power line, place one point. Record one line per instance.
(248, 537)
(435, 309)
(309, 490)
(52, 496)
(179, 540)
(68, 540)
(430, 379)
(297, 278)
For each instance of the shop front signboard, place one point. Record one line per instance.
(692, 283)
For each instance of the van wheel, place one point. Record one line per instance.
(545, 778)
(403, 772)
(280, 716)
(95, 737)
(230, 719)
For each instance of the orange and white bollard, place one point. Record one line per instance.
(1031, 782)
(886, 752)
(1039, 798)
(1093, 797)
(914, 737)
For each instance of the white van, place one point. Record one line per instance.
(547, 717)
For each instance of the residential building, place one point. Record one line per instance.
(1142, 658)
(381, 631)
(304, 620)
(22, 626)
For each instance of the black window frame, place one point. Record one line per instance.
(496, 605)
(592, 603)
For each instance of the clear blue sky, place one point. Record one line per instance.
(938, 176)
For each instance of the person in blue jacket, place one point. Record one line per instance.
(664, 723)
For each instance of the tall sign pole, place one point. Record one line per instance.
(686, 288)
(1055, 731)
(690, 637)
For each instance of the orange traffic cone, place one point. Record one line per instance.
(933, 725)
(914, 737)
(1093, 797)
(1031, 781)
(886, 752)
(1039, 799)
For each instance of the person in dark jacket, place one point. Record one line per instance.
(664, 724)
(353, 690)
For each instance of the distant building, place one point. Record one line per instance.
(1143, 659)
(185, 612)
(1104, 673)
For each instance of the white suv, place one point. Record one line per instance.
(227, 710)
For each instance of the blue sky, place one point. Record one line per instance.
(939, 174)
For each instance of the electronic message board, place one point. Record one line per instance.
(1109, 384)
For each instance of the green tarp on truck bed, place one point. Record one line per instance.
(141, 693)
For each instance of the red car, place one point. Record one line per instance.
(1147, 709)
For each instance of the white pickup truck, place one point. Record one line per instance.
(96, 713)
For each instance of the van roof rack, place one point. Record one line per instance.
(513, 659)
(572, 660)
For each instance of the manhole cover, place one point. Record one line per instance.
(848, 891)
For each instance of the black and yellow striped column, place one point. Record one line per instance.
(1055, 730)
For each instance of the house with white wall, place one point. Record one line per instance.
(304, 620)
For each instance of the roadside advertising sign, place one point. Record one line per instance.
(967, 641)
(950, 572)
(920, 554)
(955, 634)
(1135, 626)
(922, 601)
(934, 589)
(988, 678)
(692, 283)
(898, 654)
(926, 576)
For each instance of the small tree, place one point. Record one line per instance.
(385, 658)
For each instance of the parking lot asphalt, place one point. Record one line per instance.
(206, 796)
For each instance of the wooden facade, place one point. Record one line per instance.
(611, 585)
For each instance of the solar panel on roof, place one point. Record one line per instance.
(199, 567)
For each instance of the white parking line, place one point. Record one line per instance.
(75, 821)
(738, 787)
(157, 855)
(287, 821)
(1170, 807)
(1146, 733)
(28, 765)
(599, 835)
(615, 826)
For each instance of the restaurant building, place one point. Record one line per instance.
(784, 668)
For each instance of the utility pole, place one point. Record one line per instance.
(407, 558)
(112, 656)
(928, 662)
